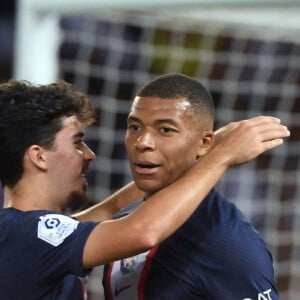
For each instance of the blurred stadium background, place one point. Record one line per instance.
(246, 52)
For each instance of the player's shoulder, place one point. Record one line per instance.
(17, 216)
(18, 221)
(217, 211)
(239, 238)
(230, 225)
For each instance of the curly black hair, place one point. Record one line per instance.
(32, 114)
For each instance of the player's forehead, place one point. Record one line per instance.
(158, 104)
(154, 110)
(69, 121)
(71, 128)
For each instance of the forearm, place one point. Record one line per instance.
(108, 207)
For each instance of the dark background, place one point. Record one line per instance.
(7, 28)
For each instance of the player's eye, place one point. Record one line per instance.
(79, 144)
(167, 129)
(133, 127)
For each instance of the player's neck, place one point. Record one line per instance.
(27, 197)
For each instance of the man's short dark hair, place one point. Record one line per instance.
(176, 86)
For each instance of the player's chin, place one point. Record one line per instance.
(147, 187)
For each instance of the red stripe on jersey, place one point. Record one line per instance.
(147, 266)
(108, 285)
(83, 292)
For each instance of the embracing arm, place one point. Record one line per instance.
(168, 209)
(107, 208)
(130, 193)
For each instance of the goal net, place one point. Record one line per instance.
(250, 69)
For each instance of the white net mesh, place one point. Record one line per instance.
(249, 70)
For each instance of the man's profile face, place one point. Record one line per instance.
(68, 162)
(162, 140)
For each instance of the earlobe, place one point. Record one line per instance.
(37, 156)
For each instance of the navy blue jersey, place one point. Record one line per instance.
(41, 255)
(216, 254)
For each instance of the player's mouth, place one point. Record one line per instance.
(84, 180)
(145, 168)
(83, 177)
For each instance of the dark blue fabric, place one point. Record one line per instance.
(216, 254)
(31, 268)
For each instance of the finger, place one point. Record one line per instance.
(267, 127)
(258, 125)
(268, 145)
(262, 120)
(275, 134)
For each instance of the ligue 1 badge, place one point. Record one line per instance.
(55, 228)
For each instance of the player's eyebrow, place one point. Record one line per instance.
(133, 118)
(169, 121)
(159, 121)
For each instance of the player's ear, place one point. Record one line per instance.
(206, 142)
(37, 156)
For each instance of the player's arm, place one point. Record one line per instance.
(130, 193)
(169, 208)
(107, 208)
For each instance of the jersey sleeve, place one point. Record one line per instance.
(60, 242)
(247, 268)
